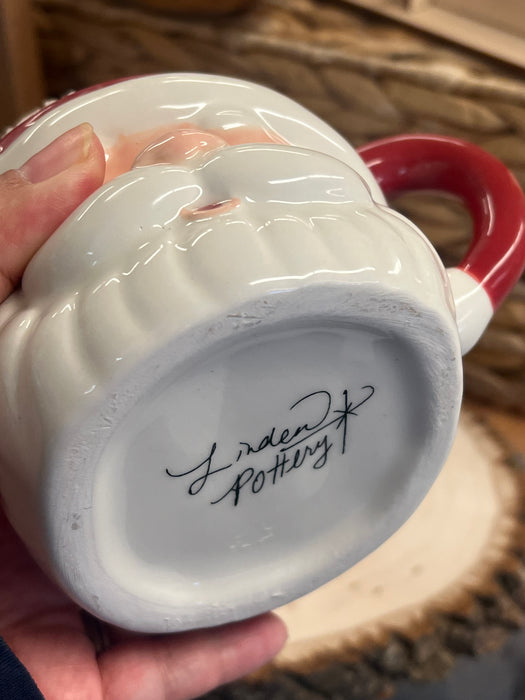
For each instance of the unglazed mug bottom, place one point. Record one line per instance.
(252, 459)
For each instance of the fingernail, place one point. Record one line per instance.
(62, 153)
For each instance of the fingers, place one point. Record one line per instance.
(43, 627)
(38, 197)
(180, 667)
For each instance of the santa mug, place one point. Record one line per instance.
(233, 371)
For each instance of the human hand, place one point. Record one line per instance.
(40, 624)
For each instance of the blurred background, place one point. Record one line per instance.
(371, 68)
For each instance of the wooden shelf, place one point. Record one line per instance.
(475, 33)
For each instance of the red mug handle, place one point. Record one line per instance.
(495, 259)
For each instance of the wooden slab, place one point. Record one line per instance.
(450, 547)
(451, 581)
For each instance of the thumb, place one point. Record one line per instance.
(38, 197)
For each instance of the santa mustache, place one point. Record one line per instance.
(165, 246)
(149, 256)
(253, 200)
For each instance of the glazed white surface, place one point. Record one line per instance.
(473, 307)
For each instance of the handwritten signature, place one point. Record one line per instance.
(308, 444)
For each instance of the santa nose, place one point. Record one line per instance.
(179, 146)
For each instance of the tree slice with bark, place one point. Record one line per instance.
(451, 581)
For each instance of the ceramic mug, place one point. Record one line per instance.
(233, 371)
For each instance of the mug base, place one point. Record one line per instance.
(253, 459)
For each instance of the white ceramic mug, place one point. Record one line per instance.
(234, 371)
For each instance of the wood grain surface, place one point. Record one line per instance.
(450, 583)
